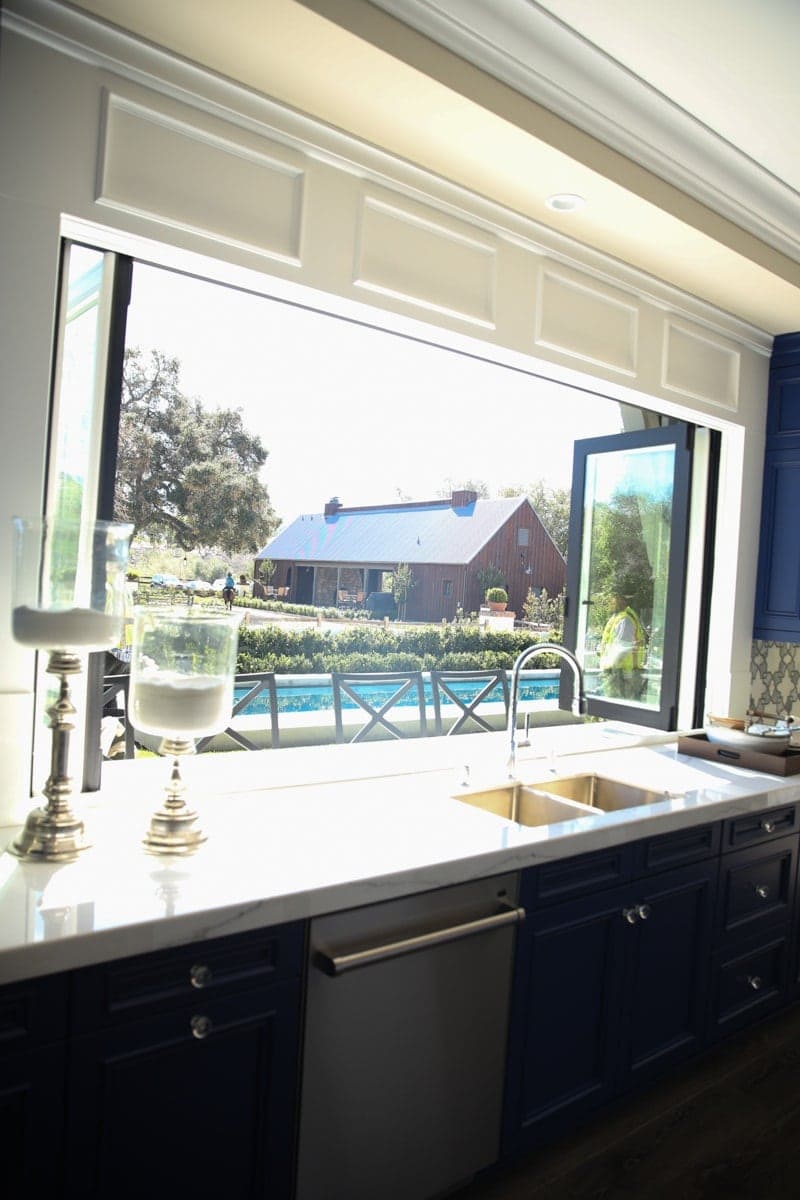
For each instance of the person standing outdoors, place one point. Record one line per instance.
(622, 651)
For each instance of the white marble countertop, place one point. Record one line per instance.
(297, 833)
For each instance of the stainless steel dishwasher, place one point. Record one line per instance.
(405, 1043)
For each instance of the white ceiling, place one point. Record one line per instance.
(677, 121)
(732, 64)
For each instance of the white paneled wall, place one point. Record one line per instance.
(587, 320)
(440, 265)
(148, 152)
(700, 366)
(195, 176)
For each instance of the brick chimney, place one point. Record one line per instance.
(462, 498)
(333, 506)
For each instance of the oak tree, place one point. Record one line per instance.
(185, 471)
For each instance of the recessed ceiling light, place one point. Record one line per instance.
(565, 202)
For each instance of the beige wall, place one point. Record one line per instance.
(147, 156)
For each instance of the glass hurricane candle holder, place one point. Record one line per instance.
(183, 666)
(68, 596)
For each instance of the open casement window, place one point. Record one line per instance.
(84, 424)
(627, 571)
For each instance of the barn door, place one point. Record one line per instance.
(626, 570)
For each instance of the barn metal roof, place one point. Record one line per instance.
(408, 533)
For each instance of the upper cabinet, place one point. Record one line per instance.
(777, 615)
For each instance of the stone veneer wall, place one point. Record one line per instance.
(775, 678)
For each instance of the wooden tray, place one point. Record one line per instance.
(698, 745)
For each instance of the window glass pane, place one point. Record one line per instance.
(79, 385)
(625, 572)
(242, 415)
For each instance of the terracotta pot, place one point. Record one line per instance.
(498, 605)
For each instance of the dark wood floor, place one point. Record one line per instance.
(727, 1126)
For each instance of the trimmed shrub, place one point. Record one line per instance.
(449, 647)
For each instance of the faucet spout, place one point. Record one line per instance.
(578, 698)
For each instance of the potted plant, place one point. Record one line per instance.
(497, 599)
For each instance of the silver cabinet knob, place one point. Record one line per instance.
(762, 890)
(754, 982)
(201, 1027)
(630, 915)
(643, 911)
(200, 976)
(768, 826)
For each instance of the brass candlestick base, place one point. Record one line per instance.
(54, 833)
(173, 827)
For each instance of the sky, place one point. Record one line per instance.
(360, 414)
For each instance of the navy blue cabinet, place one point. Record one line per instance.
(666, 987)
(195, 1102)
(33, 1029)
(756, 907)
(777, 606)
(566, 1014)
(161, 1075)
(610, 989)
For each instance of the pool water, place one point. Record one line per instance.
(319, 697)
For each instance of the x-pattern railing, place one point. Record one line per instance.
(443, 682)
(348, 685)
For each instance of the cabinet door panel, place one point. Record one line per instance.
(565, 1014)
(783, 414)
(198, 1102)
(669, 971)
(778, 579)
(31, 1122)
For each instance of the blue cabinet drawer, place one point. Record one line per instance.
(679, 849)
(572, 877)
(755, 828)
(757, 887)
(145, 984)
(750, 981)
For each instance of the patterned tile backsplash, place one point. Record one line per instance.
(775, 678)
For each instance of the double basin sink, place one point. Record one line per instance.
(556, 800)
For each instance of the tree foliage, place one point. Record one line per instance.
(490, 576)
(552, 508)
(403, 583)
(621, 560)
(185, 471)
(463, 485)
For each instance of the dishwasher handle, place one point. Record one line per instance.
(339, 964)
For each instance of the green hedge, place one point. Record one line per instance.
(448, 647)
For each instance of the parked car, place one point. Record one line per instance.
(167, 581)
(200, 587)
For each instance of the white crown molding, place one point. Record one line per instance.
(522, 45)
(75, 33)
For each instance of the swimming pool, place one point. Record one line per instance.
(316, 695)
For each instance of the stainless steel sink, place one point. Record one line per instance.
(598, 792)
(525, 805)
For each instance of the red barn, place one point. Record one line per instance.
(341, 555)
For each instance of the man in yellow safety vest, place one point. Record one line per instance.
(622, 652)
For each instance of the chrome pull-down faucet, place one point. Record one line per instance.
(578, 699)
